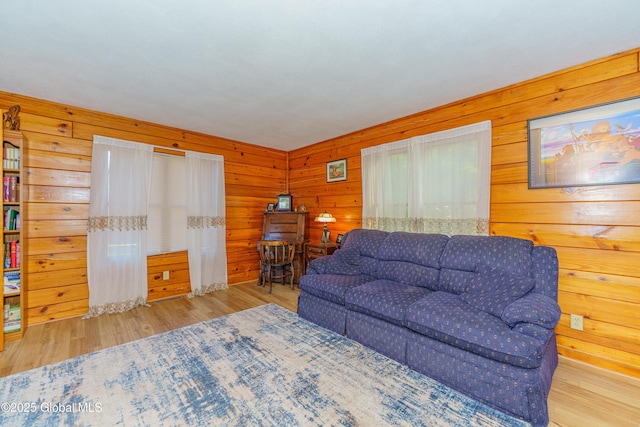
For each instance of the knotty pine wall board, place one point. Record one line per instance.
(57, 176)
(595, 229)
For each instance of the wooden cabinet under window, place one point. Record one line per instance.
(13, 320)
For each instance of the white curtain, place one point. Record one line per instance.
(206, 223)
(117, 229)
(435, 183)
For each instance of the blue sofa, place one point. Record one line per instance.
(476, 313)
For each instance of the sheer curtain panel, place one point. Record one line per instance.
(434, 183)
(117, 229)
(206, 223)
(384, 187)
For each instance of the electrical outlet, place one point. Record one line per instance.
(576, 322)
(165, 275)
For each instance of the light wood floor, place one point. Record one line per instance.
(581, 395)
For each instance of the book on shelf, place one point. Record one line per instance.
(10, 157)
(11, 282)
(11, 219)
(11, 326)
(11, 317)
(5, 188)
(11, 188)
(12, 254)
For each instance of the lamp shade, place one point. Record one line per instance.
(325, 217)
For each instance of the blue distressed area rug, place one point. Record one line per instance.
(259, 367)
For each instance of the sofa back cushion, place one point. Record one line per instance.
(463, 254)
(368, 242)
(345, 262)
(411, 258)
(545, 271)
(492, 290)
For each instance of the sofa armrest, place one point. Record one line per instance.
(535, 331)
(533, 308)
(319, 265)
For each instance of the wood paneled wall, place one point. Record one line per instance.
(178, 283)
(596, 230)
(57, 163)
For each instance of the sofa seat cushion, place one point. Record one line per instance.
(445, 317)
(331, 287)
(384, 299)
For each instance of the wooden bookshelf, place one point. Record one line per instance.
(12, 251)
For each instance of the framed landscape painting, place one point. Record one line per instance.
(594, 146)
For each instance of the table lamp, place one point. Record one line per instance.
(325, 217)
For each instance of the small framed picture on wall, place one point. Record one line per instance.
(337, 170)
(284, 202)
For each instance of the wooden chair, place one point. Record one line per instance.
(276, 262)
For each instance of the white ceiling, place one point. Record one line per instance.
(289, 73)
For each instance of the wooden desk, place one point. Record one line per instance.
(289, 226)
(317, 250)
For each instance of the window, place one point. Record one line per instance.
(138, 207)
(435, 183)
(167, 220)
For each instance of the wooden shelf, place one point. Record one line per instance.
(12, 140)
